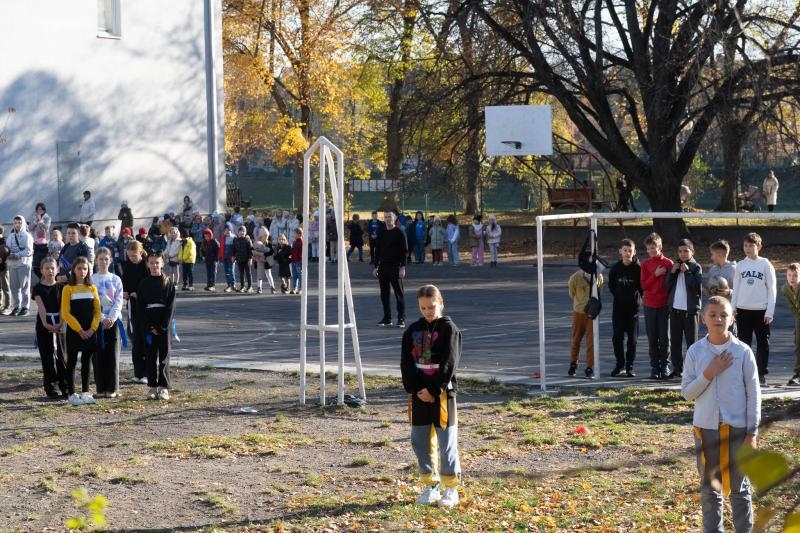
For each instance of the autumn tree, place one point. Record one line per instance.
(289, 76)
(650, 58)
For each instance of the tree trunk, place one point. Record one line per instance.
(732, 147)
(472, 100)
(395, 125)
(663, 190)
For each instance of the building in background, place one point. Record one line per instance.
(120, 98)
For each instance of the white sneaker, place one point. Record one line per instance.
(153, 394)
(88, 398)
(449, 498)
(143, 380)
(163, 394)
(75, 399)
(429, 496)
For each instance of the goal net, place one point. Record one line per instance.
(592, 219)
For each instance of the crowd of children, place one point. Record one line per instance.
(671, 293)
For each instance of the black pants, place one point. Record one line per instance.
(656, 323)
(138, 357)
(245, 275)
(751, 321)
(106, 366)
(683, 325)
(623, 324)
(211, 274)
(372, 244)
(40, 251)
(53, 364)
(188, 274)
(389, 275)
(157, 351)
(87, 348)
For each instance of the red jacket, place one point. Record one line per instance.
(655, 294)
(297, 250)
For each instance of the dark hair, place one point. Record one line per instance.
(356, 217)
(753, 238)
(627, 242)
(184, 233)
(158, 254)
(721, 245)
(451, 219)
(73, 280)
(40, 204)
(430, 291)
(794, 267)
(74, 225)
(83, 229)
(653, 238)
(88, 192)
(687, 243)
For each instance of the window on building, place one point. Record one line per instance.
(108, 18)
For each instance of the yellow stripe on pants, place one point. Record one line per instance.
(443, 416)
(724, 458)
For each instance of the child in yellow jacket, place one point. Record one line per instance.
(187, 256)
(580, 289)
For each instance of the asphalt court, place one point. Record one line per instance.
(496, 309)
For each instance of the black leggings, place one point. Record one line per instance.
(245, 275)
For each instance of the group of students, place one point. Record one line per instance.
(421, 234)
(671, 293)
(80, 312)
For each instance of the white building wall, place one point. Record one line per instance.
(135, 107)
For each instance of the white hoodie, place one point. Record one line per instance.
(21, 245)
(754, 286)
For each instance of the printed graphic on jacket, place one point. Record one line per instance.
(421, 351)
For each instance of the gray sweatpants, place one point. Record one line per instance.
(20, 281)
(716, 451)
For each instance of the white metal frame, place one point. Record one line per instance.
(331, 173)
(593, 218)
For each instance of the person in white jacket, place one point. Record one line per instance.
(719, 376)
(493, 232)
(753, 300)
(770, 190)
(88, 209)
(19, 263)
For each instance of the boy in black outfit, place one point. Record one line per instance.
(684, 283)
(625, 285)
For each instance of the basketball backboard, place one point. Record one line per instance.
(519, 130)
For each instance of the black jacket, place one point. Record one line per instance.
(391, 248)
(158, 292)
(694, 285)
(434, 371)
(624, 283)
(242, 249)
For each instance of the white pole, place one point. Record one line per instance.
(540, 294)
(596, 321)
(337, 190)
(321, 280)
(304, 296)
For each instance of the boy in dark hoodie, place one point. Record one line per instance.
(210, 252)
(685, 284)
(624, 283)
(243, 254)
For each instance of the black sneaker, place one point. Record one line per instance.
(794, 381)
(401, 323)
(573, 367)
(655, 374)
(675, 375)
(384, 323)
(589, 373)
(23, 311)
(616, 372)
(629, 373)
(762, 380)
(15, 311)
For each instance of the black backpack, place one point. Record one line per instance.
(592, 264)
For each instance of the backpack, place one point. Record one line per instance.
(592, 264)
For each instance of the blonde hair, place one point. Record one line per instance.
(283, 239)
(430, 291)
(721, 301)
